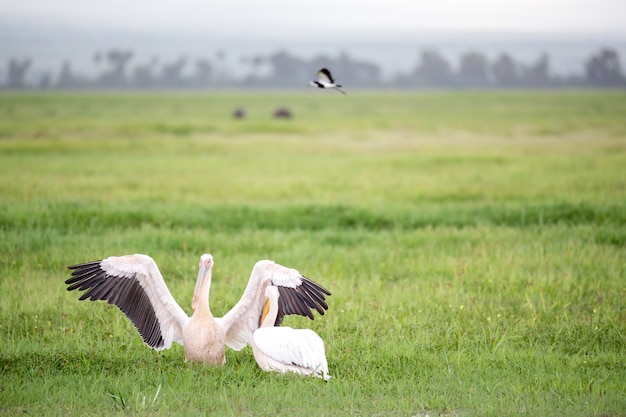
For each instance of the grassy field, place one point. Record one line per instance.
(475, 245)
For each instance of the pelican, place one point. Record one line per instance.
(135, 285)
(326, 80)
(283, 349)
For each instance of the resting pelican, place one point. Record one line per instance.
(135, 285)
(325, 80)
(283, 349)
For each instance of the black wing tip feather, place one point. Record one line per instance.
(85, 264)
(81, 271)
(315, 285)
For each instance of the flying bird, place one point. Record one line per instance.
(135, 285)
(283, 349)
(326, 80)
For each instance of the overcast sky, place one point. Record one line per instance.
(259, 17)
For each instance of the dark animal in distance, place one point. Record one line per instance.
(282, 113)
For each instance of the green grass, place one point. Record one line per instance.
(475, 245)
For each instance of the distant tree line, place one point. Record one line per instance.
(119, 70)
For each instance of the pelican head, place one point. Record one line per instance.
(204, 279)
(271, 293)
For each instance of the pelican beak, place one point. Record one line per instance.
(204, 275)
(266, 310)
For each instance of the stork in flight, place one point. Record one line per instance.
(326, 80)
(135, 285)
(283, 349)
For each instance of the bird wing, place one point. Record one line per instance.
(298, 295)
(135, 285)
(300, 347)
(324, 76)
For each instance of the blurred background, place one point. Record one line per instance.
(201, 45)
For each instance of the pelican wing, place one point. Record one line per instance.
(135, 285)
(298, 295)
(324, 76)
(300, 347)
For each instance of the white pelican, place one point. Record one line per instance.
(283, 349)
(325, 80)
(135, 285)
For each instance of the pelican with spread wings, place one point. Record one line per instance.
(135, 285)
(326, 80)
